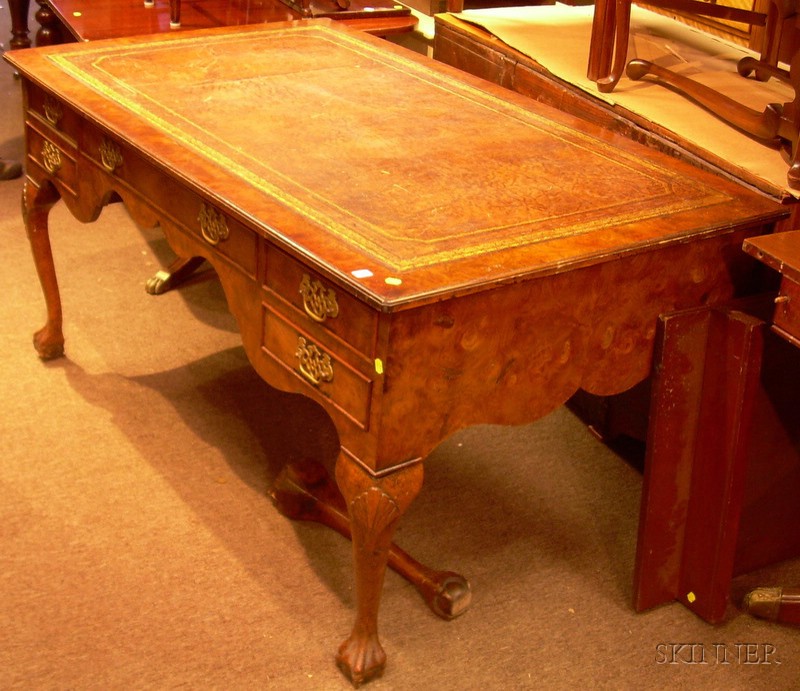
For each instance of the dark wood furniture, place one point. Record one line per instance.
(18, 9)
(608, 49)
(722, 472)
(782, 254)
(80, 20)
(475, 50)
(777, 125)
(360, 275)
(316, 9)
(722, 465)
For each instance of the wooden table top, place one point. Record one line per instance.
(92, 20)
(780, 251)
(402, 180)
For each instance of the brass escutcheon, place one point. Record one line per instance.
(319, 302)
(52, 110)
(110, 155)
(315, 365)
(213, 226)
(51, 157)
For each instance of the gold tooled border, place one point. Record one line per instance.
(367, 238)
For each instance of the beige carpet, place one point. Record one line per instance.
(138, 549)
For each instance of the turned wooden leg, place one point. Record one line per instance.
(304, 492)
(175, 274)
(36, 205)
(19, 23)
(601, 44)
(775, 604)
(375, 505)
(49, 33)
(174, 14)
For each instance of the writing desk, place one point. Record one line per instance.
(412, 279)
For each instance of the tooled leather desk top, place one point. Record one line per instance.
(380, 164)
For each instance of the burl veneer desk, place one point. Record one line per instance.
(411, 247)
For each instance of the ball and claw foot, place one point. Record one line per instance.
(361, 658)
(48, 346)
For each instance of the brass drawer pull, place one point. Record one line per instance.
(213, 226)
(314, 365)
(110, 155)
(52, 111)
(51, 157)
(319, 302)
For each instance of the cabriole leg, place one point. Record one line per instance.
(36, 205)
(375, 505)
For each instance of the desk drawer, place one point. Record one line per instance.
(53, 155)
(172, 200)
(319, 302)
(317, 365)
(53, 114)
(787, 308)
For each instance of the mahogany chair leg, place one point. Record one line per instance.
(763, 125)
(175, 274)
(304, 491)
(619, 42)
(174, 14)
(601, 45)
(608, 47)
(778, 125)
(610, 32)
(780, 605)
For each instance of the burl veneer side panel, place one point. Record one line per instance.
(515, 354)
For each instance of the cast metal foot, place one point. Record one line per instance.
(175, 274)
(305, 492)
(774, 604)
